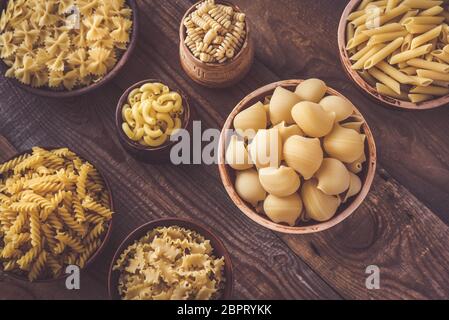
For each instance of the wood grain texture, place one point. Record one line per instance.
(396, 227)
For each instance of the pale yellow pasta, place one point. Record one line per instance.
(429, 65)
(410, 54)
(426, 37)
(421, 4)
(434, 75)
(430, 90)
(419, 28)
(360, 64)
(417, 98)
(153, 115)
(385, 79)
(393, 72)
(386, 91)
(383, 53)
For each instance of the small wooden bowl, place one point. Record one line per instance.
(218, 246)
(106, 236)
(46, 92)
(228, 174)
(157, 155)
(366, 87)
(215, 75)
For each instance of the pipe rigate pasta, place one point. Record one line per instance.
(215, 32)
(174, 263)
(153, 114)
(53, 210)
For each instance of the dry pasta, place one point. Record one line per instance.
(170, 263)
(45, 198)
(152, 114)
(400, 47)
(63, 44)
(215, 33)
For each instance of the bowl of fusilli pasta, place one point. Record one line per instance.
(56, 211)
(63, 49)
(177, 258)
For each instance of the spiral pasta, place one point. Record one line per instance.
(215, 32)
(153, 114)
(54, 211)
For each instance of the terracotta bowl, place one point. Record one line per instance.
(218, 246)
(106, 235)
(365, 87)
(156, 155)
(94, 86)
(228, 174)
(215, 75)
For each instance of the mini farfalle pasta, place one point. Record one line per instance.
(52, 33)
(170, 263)
(54, 211)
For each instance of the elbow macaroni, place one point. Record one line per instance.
(153, 114)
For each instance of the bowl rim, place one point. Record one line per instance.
(107, 235)
(62, 94)
(182, 36)
(228, 183)
(206, 232)
(123, 100)
(365, 87)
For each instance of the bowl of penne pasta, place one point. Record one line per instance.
(397, 52)
(149, 116)
(296, 156)
(56, 211)
(183, 260)
(64, 49)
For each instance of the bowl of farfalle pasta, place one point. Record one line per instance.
(171, 259)
(65, 48)
(56, 211)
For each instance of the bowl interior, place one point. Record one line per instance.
(83, 90)
(366, 87)
(218, 246)
(345, 210)
(106, 236)
(182, 35)
(124, 99)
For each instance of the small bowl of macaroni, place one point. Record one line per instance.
(62, 49)
(62, 217)
(149, 115)
(397, 52)
(296, 156)
(168, 259)
(216, 49)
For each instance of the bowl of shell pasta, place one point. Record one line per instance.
(397, 52)
(297, 156)
(64, 49)
(171, 259)
(56, 211)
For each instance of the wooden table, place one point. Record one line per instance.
(402, 227)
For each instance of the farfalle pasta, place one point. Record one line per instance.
(297, 154)
(215, 32)
(54, 211)
(63, 45)
(170, 263)
(152, 114)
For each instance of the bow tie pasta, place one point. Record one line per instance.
(63, 45)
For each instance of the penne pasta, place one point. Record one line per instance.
(393, 72)
(386, 80)
(433, 11)
(431, 90)
(434, 75)
(417, 98)
(386, 37)
(421, 4)
(423, 64)
(386, 91)
(410, 54)
(360, 64)
(441, 54)
(392, 27)
(426, 37)
(410, 71)
(420, 81)
(423, 20)
(383, 53)
(419, 28)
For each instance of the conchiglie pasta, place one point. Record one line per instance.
(281, 182)
(248, 186)
(313, 119)
(304, 155)
(341, 107)
(287, 131)
(283, 210)
(266, 148)
(333, 177)
(312, 90)
(346, 145)
(237, 155)
(318, 205)
(281, 105)
(249, 121)
(355, 186)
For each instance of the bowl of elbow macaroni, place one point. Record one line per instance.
(397, 52)
(148, 115)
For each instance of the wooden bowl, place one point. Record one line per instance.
(106, 236)
(216, 75)
(156, 155)
(365, 87)
(228, 174)
(218, 246)
(46, 92)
